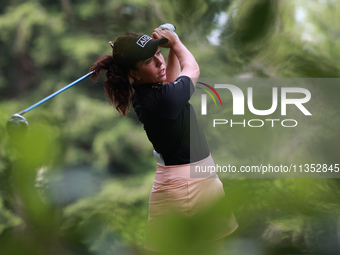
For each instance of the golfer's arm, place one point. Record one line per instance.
(187, 61)
(173, 67)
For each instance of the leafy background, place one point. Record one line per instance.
(78, 183)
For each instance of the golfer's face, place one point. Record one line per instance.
(151, 70)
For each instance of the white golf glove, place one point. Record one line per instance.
(169, 27)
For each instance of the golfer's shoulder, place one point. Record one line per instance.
(182, 83)
(173, 96)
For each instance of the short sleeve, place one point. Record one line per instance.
(174, 96)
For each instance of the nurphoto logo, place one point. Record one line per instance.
(280, 99)
(204, 97)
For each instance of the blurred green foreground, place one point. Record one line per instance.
(78, 182)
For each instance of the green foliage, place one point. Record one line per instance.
(7, 219)
(47, 44)
(114, 219)
(125, 147)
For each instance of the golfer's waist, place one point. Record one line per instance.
(184, 172)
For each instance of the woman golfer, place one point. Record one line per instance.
(138, 75)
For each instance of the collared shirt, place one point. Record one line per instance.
(170, 121)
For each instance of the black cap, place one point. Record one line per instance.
(142, 48)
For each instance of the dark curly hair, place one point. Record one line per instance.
(117, 85)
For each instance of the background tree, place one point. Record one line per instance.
(80, 181)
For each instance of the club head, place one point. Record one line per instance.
(17, 126)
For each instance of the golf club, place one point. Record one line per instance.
(17, 124)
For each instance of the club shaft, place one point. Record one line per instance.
(56, 93)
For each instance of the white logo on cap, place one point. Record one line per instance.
(143, 40)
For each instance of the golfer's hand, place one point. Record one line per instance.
(164, 33)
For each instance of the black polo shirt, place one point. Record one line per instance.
(170, 121)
